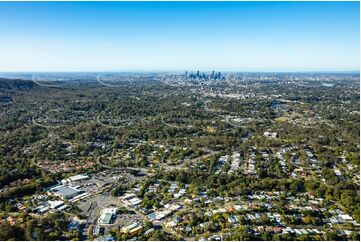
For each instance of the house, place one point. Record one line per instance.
(73, 225)
(13, 220)
(220, 210)
(146, 233)
(277, 230)
(345, 217)
(173, 187)
(188, 229)
(316, 231)
(135, 201)
(170, 224)
(127, 196)
(230, 209)
(232, 219)
(215, 238)
(270, 134)
(177, 220)
(180, 193)
(240, 207)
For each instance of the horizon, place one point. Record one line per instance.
(175, 36)
(180, 71)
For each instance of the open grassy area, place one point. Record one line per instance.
(281, 119)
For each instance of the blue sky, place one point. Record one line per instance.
(233, 36)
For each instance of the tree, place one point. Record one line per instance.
(266, 235)
(264, 219)
(11, 232)
(309, 220)
(355, 236)
(297, 186)
(158, 236)
(332, 236)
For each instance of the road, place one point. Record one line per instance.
(176, 126)
(186, 163)
(119, 168)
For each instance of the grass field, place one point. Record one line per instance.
(281, 119)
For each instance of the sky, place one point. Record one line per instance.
(169, 36)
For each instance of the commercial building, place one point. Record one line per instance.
(56, 204)
(107, 216)
(64, 192)
(132, 228)
(75, 178)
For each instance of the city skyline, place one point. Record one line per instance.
(176, 36)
